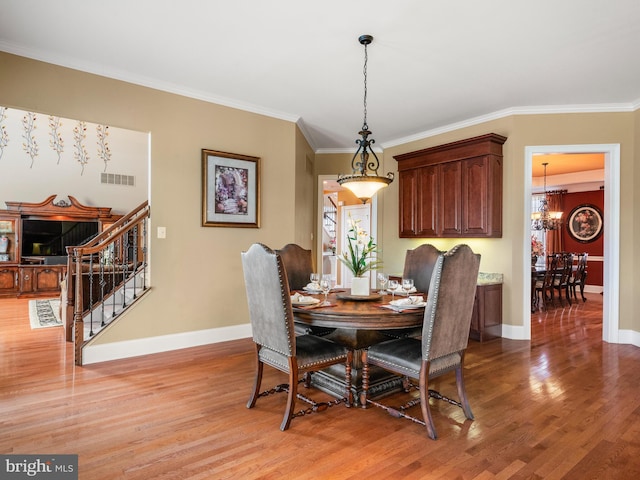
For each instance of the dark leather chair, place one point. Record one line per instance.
(447, 319)
(276, 344)
(298, 263)
(418, 265)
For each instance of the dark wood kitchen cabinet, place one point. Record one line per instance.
(452, 190)
(486, 320)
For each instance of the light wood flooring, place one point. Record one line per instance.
(565, 405)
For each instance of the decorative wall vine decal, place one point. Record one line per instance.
(4, 136)
(56, 142)
(80, 154)
(104, 153)
(31, 146)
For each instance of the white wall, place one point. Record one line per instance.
(33, 178)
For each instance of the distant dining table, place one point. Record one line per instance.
(358, 323)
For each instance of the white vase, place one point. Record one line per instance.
(360, 286)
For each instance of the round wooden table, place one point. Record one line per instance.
(358, 324)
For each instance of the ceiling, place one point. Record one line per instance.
(433, 65)
(560, 164)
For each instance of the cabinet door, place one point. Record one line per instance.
(475, 188)
(428, 194)
(408, 201)
(450, 198)
(47, 279)
(26, 279)
(8, 280)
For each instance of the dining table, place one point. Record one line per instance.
(358, 323)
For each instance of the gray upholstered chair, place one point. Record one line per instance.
(447, 319)
(298, 262)
(276, 344)
(418, 265)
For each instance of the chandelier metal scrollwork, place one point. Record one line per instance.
(544, 218)
(364, 180)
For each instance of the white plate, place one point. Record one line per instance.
(306, 301)
(407, 305)
(311, 290)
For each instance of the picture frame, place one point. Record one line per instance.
(230, 190)
(585, 223)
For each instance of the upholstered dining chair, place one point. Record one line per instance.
(276, 344)
(298, 263)
(445, 334)
(418, 265)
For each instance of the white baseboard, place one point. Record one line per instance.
(515, 332)
(145, 346)
(629, 337)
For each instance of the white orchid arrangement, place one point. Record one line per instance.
(360, 245)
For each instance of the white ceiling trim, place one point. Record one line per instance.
(168, 87)
(145, 82)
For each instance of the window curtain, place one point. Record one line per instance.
(555, 238)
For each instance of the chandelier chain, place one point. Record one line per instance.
(364, 70)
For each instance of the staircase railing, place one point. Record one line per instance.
(106, 275)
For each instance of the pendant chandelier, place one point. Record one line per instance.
(364, 181)
(544, 219)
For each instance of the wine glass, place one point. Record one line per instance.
(393, 286)
(315, 280)
(407, 285)
(383, 278)
(325, 286)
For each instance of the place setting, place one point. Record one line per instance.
(318, 285)
(405, 288)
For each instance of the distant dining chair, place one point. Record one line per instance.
(544, 283)
(276, 344)
(445, 335)
(562, 276)
(579, 277)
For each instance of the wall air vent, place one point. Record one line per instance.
(117, 179)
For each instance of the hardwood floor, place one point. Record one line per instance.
(565, 405)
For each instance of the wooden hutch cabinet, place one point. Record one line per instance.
(452, 190)
(33, 237)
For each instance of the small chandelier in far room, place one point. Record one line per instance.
(364, 181)
(544, 219)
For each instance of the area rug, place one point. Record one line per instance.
(44, 313)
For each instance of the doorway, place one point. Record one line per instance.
(611, 273)
(328, 183)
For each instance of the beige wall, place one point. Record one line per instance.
(196, 271)
(207, 290)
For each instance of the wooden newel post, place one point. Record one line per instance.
(78, 323)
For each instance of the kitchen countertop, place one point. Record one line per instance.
(485, 278)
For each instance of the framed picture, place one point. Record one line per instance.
(585, 223)
(230, 190)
